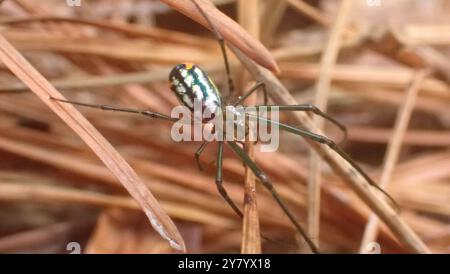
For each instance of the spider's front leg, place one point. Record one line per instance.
(258, 84)
(147, 113)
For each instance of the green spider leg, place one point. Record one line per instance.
(308, 108)
(258, 84)
(147, 113)
(198, 153)
(300, 107)
(332, 145)
(269, 186)
(219, 181)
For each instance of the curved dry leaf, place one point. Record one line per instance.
(228, 28)
(160, 221)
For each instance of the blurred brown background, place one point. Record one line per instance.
(54, 190)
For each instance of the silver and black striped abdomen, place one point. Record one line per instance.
(189, 82)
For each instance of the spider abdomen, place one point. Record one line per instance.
(190, 83)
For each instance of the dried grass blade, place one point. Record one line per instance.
(393, 152)
(251, 239)
(323, 87)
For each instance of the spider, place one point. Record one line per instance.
(191, 84)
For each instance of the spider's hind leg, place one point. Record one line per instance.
(332, 145)
(269, 186)
(219, 181)
(307, 108)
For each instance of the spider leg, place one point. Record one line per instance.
(219, 181)
(221, 41)
(223, 192)
(148, 113)
(306, 107)
(326, 141)
(258, 84)
(198, 153)
(269, 186)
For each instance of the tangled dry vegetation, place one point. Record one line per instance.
(381, 70)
